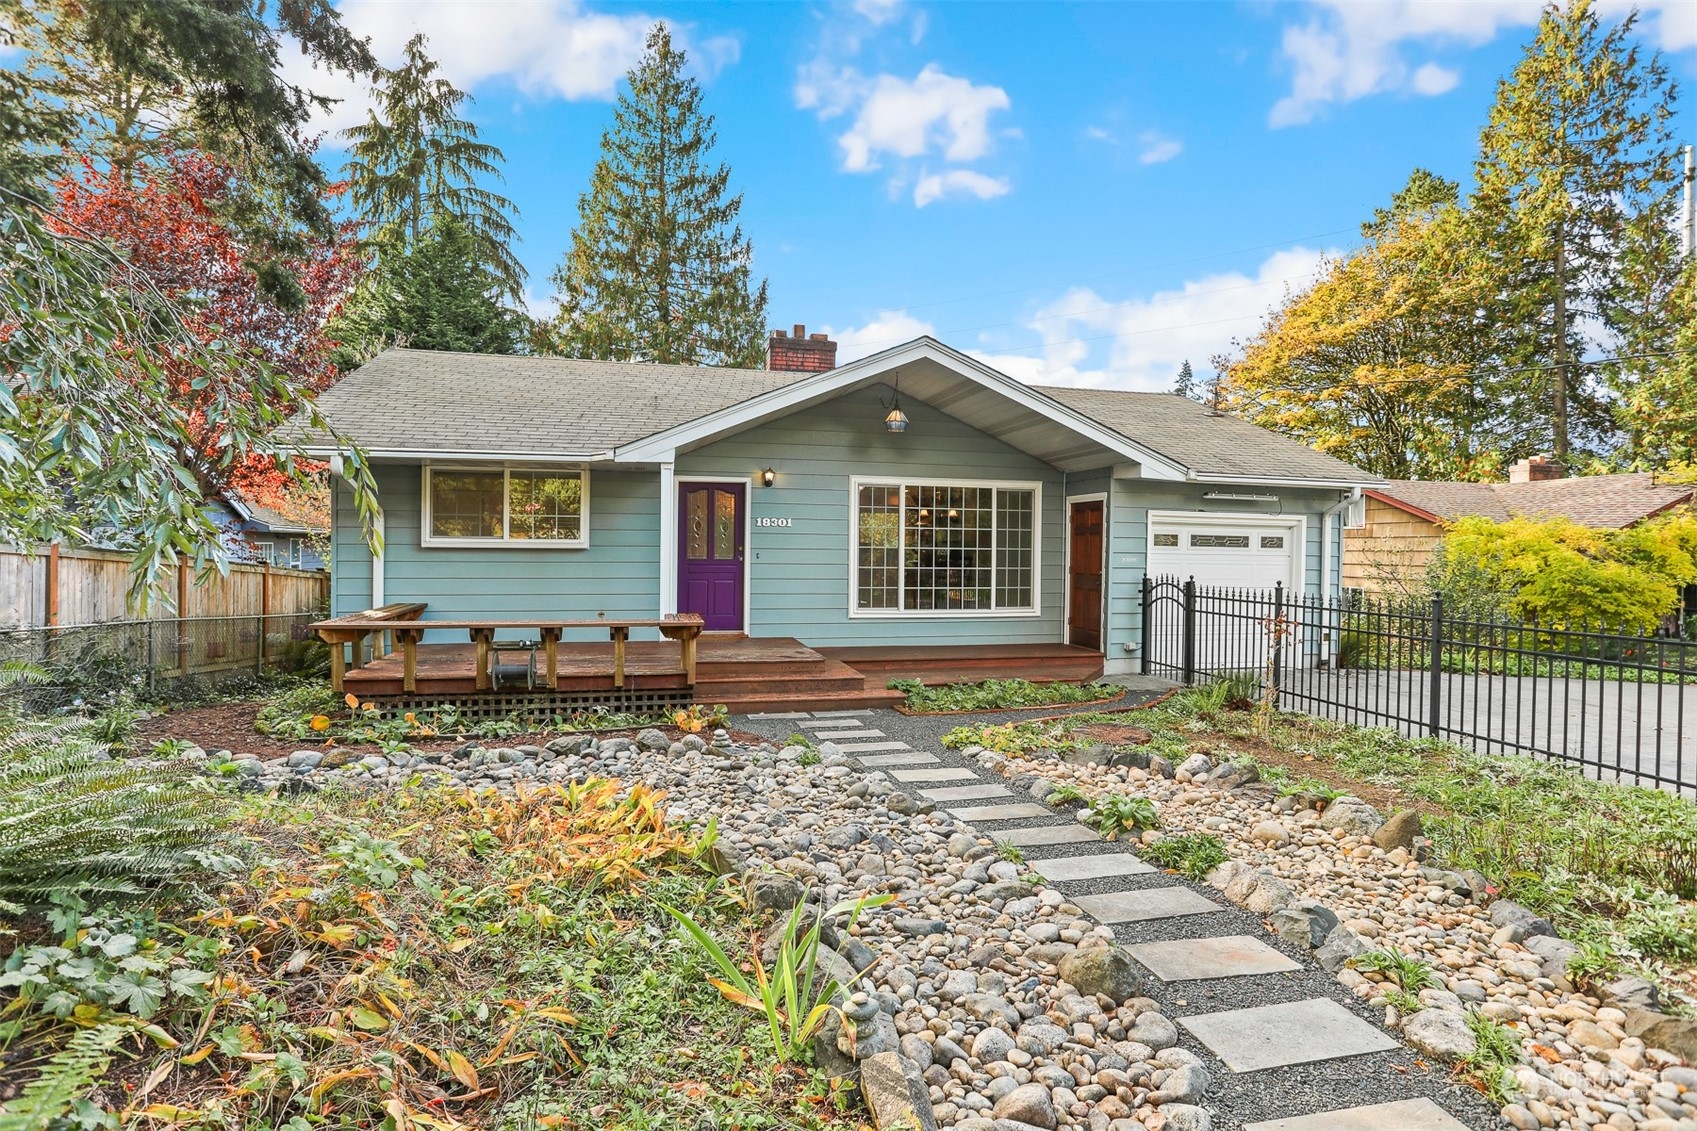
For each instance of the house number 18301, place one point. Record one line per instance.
(766, 521)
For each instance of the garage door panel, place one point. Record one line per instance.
(1246, 556)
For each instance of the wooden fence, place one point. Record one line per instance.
(55, 587)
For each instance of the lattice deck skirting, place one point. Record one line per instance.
(539, 705)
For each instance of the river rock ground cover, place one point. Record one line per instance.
(1557, 1032)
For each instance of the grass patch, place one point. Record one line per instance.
(428, 958)
(1490, 1067)
(1193, 855)
(999, 695)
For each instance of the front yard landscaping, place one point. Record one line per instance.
(1446, 914)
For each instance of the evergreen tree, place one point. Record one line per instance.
(434, 295)
(415, 160)
(1572, 211)
(658, 269)
(1185, 384)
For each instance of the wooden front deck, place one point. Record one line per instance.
(744, 674)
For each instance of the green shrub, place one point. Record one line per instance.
(1410, 974)
(1193, 854)
(1122, 813)
(75, 824)
(289, 714)
(999, 694)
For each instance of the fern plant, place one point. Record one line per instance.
(63, 1080)
(76, 824)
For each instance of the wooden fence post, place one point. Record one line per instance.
(264, 611)
(182, 617)
(53, 585)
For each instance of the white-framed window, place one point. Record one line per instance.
(950, 547)
(505, 505)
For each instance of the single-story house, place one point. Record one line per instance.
(1405, 518)
(258, 533)
(916, 497)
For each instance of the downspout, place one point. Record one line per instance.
(337, 471)
(1326, 589)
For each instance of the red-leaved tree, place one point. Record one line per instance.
(170, 224)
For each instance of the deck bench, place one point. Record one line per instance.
(685, 628)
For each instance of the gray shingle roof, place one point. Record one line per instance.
(444, 403)
(1607, 501)
(1191, 435)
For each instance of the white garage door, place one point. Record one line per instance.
(1247, 555)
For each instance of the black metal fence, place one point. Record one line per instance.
(151, 655)
(1614, 703)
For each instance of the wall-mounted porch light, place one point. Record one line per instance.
(768, 477)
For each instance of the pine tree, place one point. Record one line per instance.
(658, 268)
(435, 295)
(1185, 384)
(1576, 175)
(415, 160)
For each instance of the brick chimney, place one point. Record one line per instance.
(800, 352)
(1535, 470)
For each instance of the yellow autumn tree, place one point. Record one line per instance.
(1377, 362)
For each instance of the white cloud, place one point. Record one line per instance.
(895, 122)
(899, 117)
(1088, 340)
(1348, 50)
(889, 328)
(933, 187)
(547, 48)
(1157, 147)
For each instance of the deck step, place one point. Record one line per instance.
(820, 701)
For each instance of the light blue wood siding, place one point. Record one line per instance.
(617, 574)
(800, 578)
(800, 573)
(1129, 548)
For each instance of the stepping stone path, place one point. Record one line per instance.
(1255, 1039)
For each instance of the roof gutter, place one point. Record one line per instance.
(1356, 485)
(334, 454)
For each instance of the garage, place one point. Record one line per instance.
(1221, 552)
(1232, 552)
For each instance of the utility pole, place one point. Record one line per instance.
(1688, 209)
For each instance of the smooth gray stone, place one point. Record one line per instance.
(1092, 867)
(1138, 906)
(1403, 1115)
(1233, 956)
(1299, 1032)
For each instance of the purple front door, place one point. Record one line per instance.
(710, 553)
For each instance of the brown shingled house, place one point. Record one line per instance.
(1405, 518)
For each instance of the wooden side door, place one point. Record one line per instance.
(1084, 574)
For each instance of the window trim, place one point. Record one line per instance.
(426, 538)
(902, 483)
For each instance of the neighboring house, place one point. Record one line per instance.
(1405, 518)
(255, 533)
(914, 497)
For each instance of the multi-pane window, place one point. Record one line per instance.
(925, 548)
(537, 506)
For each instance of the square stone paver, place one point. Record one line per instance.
(780, 715)
(934, 773)
(964, 792)
(1300, 1032)
(869, 747)
(840, 714)
(1012, 812)
(912, 758)
(1184, 960)
(1092, 867)
(1151, 903)
(1403, 1115)
(1048, 834)
(832, 735)
(833, 724)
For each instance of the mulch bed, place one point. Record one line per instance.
(229, 726)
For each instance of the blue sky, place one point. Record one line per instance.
(1079, 194)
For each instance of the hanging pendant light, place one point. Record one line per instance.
(896, 419)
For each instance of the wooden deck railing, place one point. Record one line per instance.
(408, 631)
